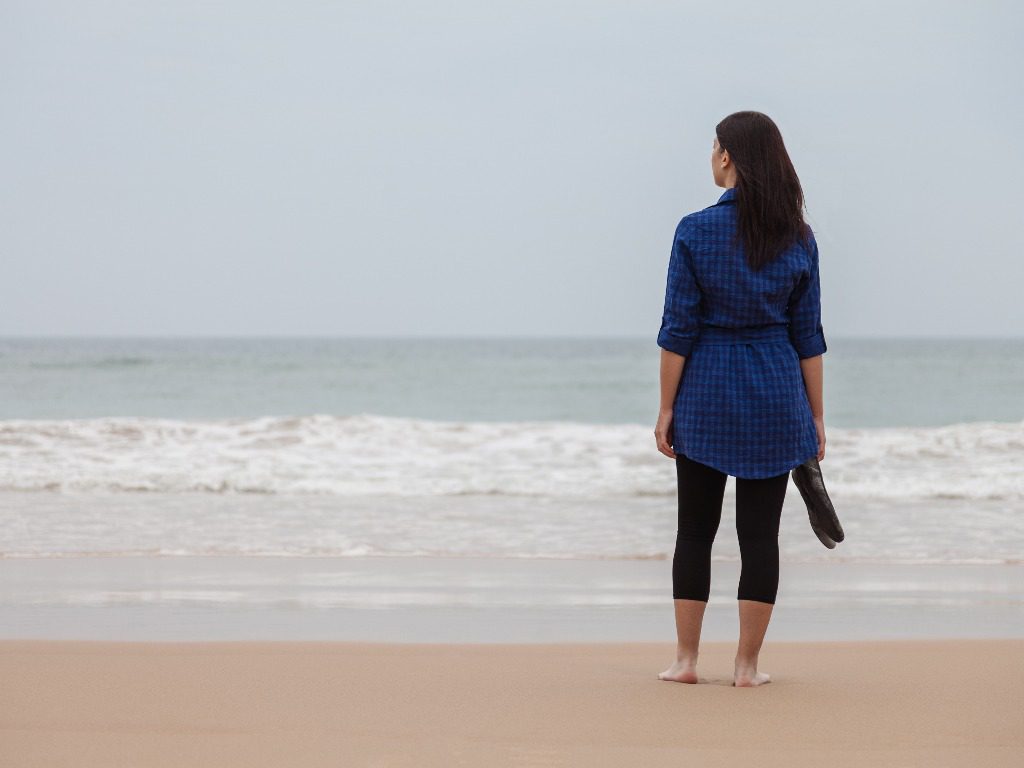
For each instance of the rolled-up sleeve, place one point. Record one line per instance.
(680, 321)
(805, 331)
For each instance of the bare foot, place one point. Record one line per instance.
(748, 678)
(680, 672)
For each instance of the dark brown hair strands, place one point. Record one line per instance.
(769, 198)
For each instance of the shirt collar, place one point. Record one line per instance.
(729, 194)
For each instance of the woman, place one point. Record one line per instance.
(741, 377)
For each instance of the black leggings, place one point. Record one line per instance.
(758, 512)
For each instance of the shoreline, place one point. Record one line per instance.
(485, 600)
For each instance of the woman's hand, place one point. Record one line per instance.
(820, 426)
(663, 432)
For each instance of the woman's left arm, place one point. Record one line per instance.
(671, 373)
(680, 325)
(680, 321)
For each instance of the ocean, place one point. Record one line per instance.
(510, 447)
(473, 448)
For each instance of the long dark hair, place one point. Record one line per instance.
(769, 198)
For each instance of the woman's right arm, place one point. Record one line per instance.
(811, 368)
(808, 338)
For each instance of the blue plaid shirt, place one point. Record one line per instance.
(741, 406)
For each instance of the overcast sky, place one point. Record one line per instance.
(478, 168)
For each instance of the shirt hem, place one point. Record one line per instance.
(756, 475)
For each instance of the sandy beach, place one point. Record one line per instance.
(344, 346)
(882, 703)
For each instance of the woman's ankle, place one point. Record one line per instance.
(745, 662)
(686, 656)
